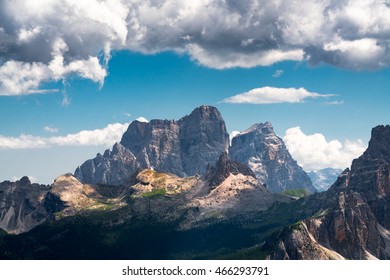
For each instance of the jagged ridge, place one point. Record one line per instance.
(184, 147)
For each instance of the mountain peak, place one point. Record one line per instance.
(378, 147)
(266, 154)
(215, 175)
(264, 128)
(184, 148)
(204, 113)
(25, 181)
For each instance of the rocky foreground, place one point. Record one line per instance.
(352, 219)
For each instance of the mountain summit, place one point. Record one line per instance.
(266, 154)
(187, 146)
(184, 147)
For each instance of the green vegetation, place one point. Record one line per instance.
(58, 215)
(106, 206)
(320, 214)
(154, 193)
(296, 226)
(299, 193)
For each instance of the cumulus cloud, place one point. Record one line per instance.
(38, 45)
(142, 119)
(105, 136)
(270, 95)
(233, 134)
(315, 152)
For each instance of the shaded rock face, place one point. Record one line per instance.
(215, 175)
(21, 205)
(230, 191)
(297, 243)
(265, 153)
(370, 174)
(24, 205)
(352, 217)
(114, 167)
(184, 147)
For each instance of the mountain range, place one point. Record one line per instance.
(176, 190)
(322, 179)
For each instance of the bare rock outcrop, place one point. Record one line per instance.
(266, 154)
(184, 147)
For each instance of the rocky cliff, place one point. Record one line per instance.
(231, 189)
(266, 154)
(352, 217)
(184, 147)
(21, 206)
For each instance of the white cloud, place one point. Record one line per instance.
(17, 78)
(278, 73)
(231, 59)
(38, 45)
(232, 134)
(142, 119)
(105, 136)
(270, 95)
(315, 152)
(336, 102)
(50, 129)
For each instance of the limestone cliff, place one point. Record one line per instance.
(184, 147)
(266, 154)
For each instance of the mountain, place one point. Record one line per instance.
(322, 179)
(184, 147)
(160, 216)
(226, 209)
(231, 190)
(352, 218)
(21, 205)
(266, 154)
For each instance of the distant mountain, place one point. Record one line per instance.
(266, 154)
(184, 147)
(21, 205)
(352, 219)
(324, 178)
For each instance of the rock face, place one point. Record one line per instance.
(297, 243)
(352, 217)
(231, 190)
(324, 178)
(184, 147)
(113, 167)
(24, 205)
(21, 205)
(224, 167)
(266, 154)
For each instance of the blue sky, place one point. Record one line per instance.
(136, 66)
